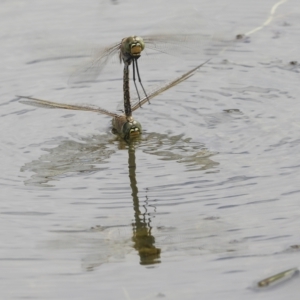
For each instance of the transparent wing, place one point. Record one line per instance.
(178, 44)
(90, 71)
(49, 104)
(172, 44)
(166, 86)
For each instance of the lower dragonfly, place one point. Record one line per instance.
(123, 125)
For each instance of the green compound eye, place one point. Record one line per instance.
(131, 129)
(140, 42)
(134, 45)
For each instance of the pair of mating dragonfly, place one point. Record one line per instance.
(129, 50)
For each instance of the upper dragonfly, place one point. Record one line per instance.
(130, 48)
(124, 124)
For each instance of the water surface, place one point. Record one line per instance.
(204, 204)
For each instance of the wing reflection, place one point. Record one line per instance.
(73, 158)
(90, 154)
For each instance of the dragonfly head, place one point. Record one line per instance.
(133, 45)
(131, 129)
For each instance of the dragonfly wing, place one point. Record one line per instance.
(178, 44)
(49, 104)
(166, 86)
(91, 70)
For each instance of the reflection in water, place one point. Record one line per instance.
(142, 237)
(71, 157)
(88, 155)
(183, 150)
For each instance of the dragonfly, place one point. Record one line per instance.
(122, 124)
(129, 50)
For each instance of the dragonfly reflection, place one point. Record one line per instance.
(87, 156)
(142, 236)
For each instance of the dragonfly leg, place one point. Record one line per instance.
(139, 78)
(134, 64)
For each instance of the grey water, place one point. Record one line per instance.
(202, 206)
